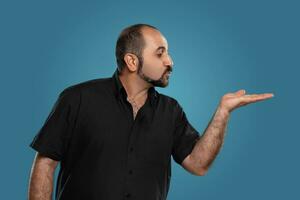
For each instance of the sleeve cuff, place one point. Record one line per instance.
(46, 152)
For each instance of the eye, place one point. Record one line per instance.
(159, 55)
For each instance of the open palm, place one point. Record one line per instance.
(232, 101)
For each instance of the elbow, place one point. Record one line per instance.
(201, 171)
(194, 167)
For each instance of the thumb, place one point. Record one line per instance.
(240, 92)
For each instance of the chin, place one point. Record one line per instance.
(163, 85)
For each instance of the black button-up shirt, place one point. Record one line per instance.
(106, 154)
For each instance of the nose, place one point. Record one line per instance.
(169, 61)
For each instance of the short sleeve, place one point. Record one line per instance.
(185, 136)
(53, 137)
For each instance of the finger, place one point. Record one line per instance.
(260, 95)
(256, 97)
(240, 92)
(267, 95)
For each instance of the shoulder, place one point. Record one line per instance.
(169, 101)
(172, 108)
(88, 85)
(75, 92)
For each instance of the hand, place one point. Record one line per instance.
(231, 101)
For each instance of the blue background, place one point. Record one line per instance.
(217, 47)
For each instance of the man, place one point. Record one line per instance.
(114, 137)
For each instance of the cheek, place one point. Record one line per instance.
(153, 69)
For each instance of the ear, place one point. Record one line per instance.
(131, 61)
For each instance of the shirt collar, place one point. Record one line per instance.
(120, 90)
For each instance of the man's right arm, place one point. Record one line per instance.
(41, 178)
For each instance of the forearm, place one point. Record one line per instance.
(41, 182)
(209, 145)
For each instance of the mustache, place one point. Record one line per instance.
(169, 69)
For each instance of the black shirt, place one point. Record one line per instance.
(106, 154)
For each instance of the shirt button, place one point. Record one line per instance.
(130, 171)
(128, 195)
(131, 149)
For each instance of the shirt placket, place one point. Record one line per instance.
(129, 191)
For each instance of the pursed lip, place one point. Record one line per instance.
(168, 74)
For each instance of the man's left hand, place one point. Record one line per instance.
(231, 101)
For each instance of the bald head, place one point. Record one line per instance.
(132, 40)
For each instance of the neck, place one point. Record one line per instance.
(135, 87)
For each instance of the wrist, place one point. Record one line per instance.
(223, 110)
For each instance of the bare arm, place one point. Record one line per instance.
(209, 145)
(207, 148)
(41, 178)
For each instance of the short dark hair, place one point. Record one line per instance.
(130, 40)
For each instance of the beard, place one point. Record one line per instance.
(156, 83)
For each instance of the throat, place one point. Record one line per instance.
(136, 104)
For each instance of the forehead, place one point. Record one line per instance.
(153, 39)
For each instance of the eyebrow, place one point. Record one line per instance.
(161, 48)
